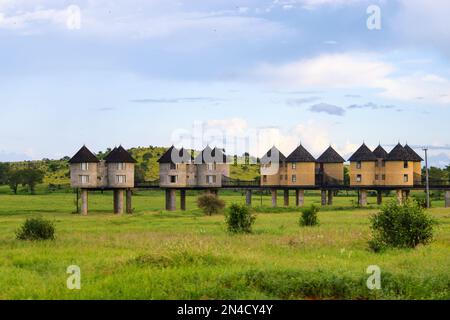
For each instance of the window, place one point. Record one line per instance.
(121, 166)
(173, 179)
(358, 178)
(294, 178)
(210, 179)
(285, 177)
(294, 165)
(383, 177)
(281, 177)
(84, 179)
(405, 178)
(84, 166)
(358, 165)
(377, 177)
(264, 178)
(405, 164)
(121, 179)
(211, 166)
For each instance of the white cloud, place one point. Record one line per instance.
(357, 70)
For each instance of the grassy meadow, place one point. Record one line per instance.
(155, 254)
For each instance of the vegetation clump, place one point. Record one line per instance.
(309, 216)
(400, 226)
(239, 219)
(210, 204)
(36, 229)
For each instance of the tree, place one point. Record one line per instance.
(31, 177)
(15, 178)
(4, 171)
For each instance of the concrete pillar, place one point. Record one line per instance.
(115, 199)
(129, 204)
(84, 202)
(170, 199)
(323, 197)
(447, 199)
(399, 196)
(405, 195)
(274, 197)
(379, 197)
(299, 198)
(183, 199)
(330, 197)
(119, 201)
(286, 198)
(248, 197)
(363, 198)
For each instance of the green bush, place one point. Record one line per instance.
(400, 226)
(210, 204)
(239, 219)
(309, 216)
(421, 199)
(36, 229)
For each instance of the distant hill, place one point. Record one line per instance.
(147, 167)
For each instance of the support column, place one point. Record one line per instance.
(447, 199)
(248, 197)
(115, 199)
(119, 201)
(363, 198)
(84, 202)
(299, 198)
(170, 199)
(330, 197)
(286, 198)
(183, 199)
(274, 197)
(379, 197)
(323, 197)
(129, 204)
(399, 196)
(405, 195)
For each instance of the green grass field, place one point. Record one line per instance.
(154, 254)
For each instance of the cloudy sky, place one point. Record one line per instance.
(275, 72)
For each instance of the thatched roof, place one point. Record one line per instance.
(399, 153)
(363, 154)
(118, 155)
(300, 154)
(413, 156)
(209, 155)
(272, 154)
(380, 153)
(84, 155)
(174, 155)
(330, 156)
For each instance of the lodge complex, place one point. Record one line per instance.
(209, 170)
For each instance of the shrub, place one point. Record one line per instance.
(421, 200)
(239, 219)
(401, 226)
(309, 216)
(36, 229)
(210, 204)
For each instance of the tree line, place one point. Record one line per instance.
(28, 176)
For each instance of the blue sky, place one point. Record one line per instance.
(141, 73)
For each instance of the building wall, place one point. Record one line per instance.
(334, 170)
(417, 171)
(380, 171)
(186, 175)
(113, 172)
(367, 173)
(305, 173)
(273, 175)
(203, 172)
(395, 172)
(76, 172)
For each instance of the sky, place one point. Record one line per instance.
(243, 75)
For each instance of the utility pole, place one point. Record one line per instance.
(427, 181)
